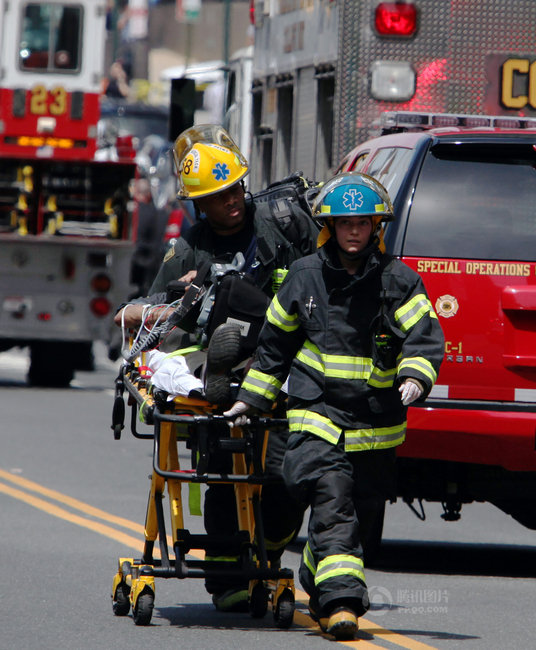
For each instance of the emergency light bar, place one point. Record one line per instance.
(405, 120)
(43, 141)
(40, 141)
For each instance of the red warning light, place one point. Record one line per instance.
(395, 19)
(100, 307)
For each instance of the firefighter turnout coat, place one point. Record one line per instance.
(270, 253)
(347, 342)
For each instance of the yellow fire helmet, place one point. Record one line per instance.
(207, 161)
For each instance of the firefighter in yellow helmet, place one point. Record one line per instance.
(207, 161)
(211, 172)
(354, 330)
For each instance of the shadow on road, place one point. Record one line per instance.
(204, 616)
(410, 556)
(403, 556)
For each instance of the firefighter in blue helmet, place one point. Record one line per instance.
(356, 333)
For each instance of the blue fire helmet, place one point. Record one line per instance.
(352, 194)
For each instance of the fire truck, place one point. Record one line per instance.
(67, 220)
(325, 70)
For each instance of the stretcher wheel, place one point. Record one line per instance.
(258, 602)
(121, 601)
(284, 610)
(143, 609)
(118, 417)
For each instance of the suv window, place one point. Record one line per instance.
(475, 202)
(389, 166)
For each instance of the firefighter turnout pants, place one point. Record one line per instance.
(282, 516)
(337, 486)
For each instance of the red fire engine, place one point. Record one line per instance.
(66, 219)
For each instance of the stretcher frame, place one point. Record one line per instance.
(193, 422)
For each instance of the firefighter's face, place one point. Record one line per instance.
(353, 233)
(226, 210)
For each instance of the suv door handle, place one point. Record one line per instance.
(519, 298)
(519, 305)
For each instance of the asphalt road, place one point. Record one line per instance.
(72, 501)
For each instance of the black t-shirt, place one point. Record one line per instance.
(226, 246)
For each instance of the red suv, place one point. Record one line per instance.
(464, 194)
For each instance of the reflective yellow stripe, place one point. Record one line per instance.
(410, 313)
(345, 367)
(275, 546)
(374, 438)
(183, 351)
(339, 565)
(354, 439)
(308, 559)
(188, 180)
(194, 499)
(303, 420)
(277, 316)
(221, 558)
(382, 378)
(310, 356)
(421, 364)
(262, 384)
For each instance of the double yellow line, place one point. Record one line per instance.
(87, 510)
(91, 519)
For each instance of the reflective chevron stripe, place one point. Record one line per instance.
(277, 316)
(420, 364)
(374, 438)
(262, 384)
(354, 439)
(303, 420)
(345, 367)
(339, 565)
(412, 312)
(308, 559)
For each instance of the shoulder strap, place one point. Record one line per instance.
(191, 294)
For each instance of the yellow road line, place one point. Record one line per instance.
(369, 627)
(69, 501)
(132, 542)
(56, 511)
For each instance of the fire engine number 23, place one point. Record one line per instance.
(43, 101)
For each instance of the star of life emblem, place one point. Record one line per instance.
(352, 199)
(221, 171)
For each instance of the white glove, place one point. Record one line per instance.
(238, 409)
(410, 391)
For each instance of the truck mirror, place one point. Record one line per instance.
(182, 106)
